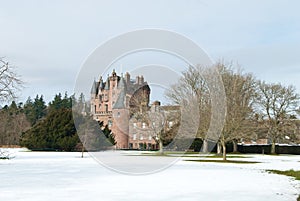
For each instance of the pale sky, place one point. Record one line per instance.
(48, 41)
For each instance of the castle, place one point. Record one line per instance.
(120, 103)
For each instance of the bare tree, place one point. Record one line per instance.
(193, 82)
(240, 92)
(277, 104)
(237, 100)
(10, 82)
(13, 124)
(157, 122)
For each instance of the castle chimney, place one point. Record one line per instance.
(142, 79)
(137, 80)
(127, 77)
(155, 107)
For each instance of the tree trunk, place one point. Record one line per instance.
(235, 147)
(224, 151)
(82, 151)
(273, 147)
(219, 148)
(83, 143)
(205, 146)
(161, 147)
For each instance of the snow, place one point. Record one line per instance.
(63, 176)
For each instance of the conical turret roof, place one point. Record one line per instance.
(107, 84)
(121, 101)
(94, 88)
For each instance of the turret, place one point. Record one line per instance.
(94, 88)
(121, 117)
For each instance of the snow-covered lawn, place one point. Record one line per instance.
(60, 176)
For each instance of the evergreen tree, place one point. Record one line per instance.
(56, 131)
(35, 110)
(39, 107)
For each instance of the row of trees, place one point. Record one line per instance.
(253, 108)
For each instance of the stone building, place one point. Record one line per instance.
(120, 102)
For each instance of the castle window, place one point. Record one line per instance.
(134, 125)
(118, 114)
(141, 137)
(109, 123)
(144, 125)
(150, 137)
(106, 108)
(134, 136)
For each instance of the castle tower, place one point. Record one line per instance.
(121, 118)
(114, 100)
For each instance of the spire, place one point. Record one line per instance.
(107, 83)
(121, 84)
(101, 84)
(94, 88)
(114, 74)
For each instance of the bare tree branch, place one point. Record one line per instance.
(10, 82)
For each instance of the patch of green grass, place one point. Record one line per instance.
(222, 161)
(216, 156)
(188, 155)
(290, 173)
(149, 154)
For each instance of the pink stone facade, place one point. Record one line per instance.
(116, 102)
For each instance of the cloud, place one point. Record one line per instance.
(49, 40)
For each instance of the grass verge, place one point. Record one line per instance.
(222, 161)
(290, 173)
